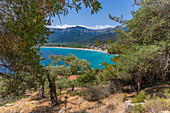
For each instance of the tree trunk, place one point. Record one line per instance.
(41, 91)
(72, 88)
(52, 88)
(139, 86)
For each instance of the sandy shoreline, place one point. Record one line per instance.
(74, 48)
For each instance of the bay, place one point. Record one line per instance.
(94, 57)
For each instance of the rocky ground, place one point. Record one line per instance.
(112, 104)
(74, 104)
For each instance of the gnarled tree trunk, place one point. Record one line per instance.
(52, 88)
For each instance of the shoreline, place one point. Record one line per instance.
(75, 48)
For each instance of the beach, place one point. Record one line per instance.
(75, 48)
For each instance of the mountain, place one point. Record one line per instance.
(80, 35)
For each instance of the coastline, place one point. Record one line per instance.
(75, 48)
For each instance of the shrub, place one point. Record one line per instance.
(115, 85)
(167, 93)
(64, 83)
(156, 104)
(138, 109)
(145, 60)
(96, 93)
(141, 97)
(124, 97)
(86, 79)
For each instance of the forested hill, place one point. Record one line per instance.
(80, 35)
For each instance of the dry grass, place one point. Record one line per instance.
(112, 104)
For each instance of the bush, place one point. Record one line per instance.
(79, 93)
(156, 104)
(86, 79)
(167, 93)
(124, 97)
(144, 62)
(138, 109)
(9, 99)
(64, 83)
(96, 93)
(141, 97)
(115, 85)
(152, 106)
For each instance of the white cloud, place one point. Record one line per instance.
(89, 27)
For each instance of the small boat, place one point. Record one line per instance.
(99, 65)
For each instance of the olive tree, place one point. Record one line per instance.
(23, 30)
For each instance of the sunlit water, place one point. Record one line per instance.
(94, 57)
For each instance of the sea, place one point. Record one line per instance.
(94, 57)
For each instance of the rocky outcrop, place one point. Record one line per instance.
(129, 106)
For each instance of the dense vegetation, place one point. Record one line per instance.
(144, 60)
(22, 31)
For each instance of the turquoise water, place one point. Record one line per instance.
(94, 57)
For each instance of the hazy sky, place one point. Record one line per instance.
(99, 20)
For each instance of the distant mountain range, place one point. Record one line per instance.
(80, 35)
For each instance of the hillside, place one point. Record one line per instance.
(75, 104)
(113, 103)
(79, 35)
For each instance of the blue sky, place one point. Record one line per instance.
(99, 20)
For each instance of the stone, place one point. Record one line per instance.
(8, 105)
(61, 111)
(129, 106)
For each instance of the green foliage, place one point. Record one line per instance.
(23, 29)
(68, 65)
(167, 93)
(148, 25)
(155, 104)
(79, 93)
(138, 109)
(19, 51)
(144, 49)
(88, 77)
(124, 97)
(141, 97)
(140, 60)
(116, 49)
(10, 98)
(17, 87)
(64, 83)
